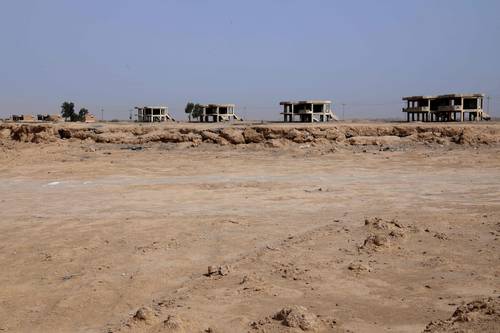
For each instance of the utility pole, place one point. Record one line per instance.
(343, 110)
(102, 114)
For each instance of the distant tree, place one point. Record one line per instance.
(197, 111)
(68, 111)
(189, 109)
(193, 110)
(82, 113)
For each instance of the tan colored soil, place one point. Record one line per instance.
(336, 228)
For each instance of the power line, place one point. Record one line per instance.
(374, 104)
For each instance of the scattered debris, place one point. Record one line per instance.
(69, 277)
(380, 224)
(134, 148)
(375, 241)
(358, 267)
(245, 279)
(441, 236)
(218, 270)
(290, 271)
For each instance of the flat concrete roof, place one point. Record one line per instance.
(411, 98)
(151, 107)
(306, 102)
(219, 105)
(461, 95)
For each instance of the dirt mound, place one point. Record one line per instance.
(393, 227)
(297, 316)
(269, 135)
(148, 320)
(144, 314)
(477, 316)
(232, 135)
(383, 233)
(380, 224)
(173, 323)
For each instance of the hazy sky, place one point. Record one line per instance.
(118, 54)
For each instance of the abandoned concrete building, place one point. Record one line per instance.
(23, 117)
(452, 107)
(218, 113)
(152, 114)
(89, 118)
(307, 111)
(50, 117)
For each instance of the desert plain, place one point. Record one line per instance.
(369, 227)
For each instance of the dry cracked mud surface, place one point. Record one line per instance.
(327, 233)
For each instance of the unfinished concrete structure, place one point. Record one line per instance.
(217, 113)
(50, 117)
(89, 118)
(152, 114)
(452, 107)
(23, 117)
(307, 111)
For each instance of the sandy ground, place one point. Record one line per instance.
(347, 240)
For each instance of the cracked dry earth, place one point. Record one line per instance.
(97, 238)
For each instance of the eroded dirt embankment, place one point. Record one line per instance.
(270, 135)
